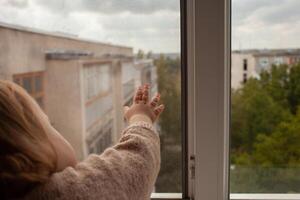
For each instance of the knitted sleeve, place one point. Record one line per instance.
(126, 171)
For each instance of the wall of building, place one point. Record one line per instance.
(118, 100)
(64, 102)
(237, 68)
(24, 51)
(263, 62)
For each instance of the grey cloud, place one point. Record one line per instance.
(243, 9)
(110, 6)
(284, 12)
(141, 22)
(265, 23)
(15, 3)
(265, 11)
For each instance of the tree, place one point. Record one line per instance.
(254, 111)
(275, 162)
(265, 130)
(282, 147)
(294, 88)
(149, 54)
(276, 83)
(140, 54)
(169, 179)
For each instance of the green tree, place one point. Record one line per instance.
(149, 54)
(140, 54)
(254, 111)
(265, 129)
(275, 162)
(169, 179)
(282, 147)
(276, 83)
(294, 88)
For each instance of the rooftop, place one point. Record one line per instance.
(269, 52)
(54, 34)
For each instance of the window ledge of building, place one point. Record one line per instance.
(264, 196)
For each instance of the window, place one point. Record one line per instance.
(94, 77)
(245, 64)
(101, 140)
(245, 78)
(129, 79)
(263, 62)
(278, 60)
(265, 132)
(33, 83)
(92, 56)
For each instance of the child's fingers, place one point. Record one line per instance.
(145, 96)
(155, 100)
(138, 95)
(159, 109)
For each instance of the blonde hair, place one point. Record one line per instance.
(27, 157)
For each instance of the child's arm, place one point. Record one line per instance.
(127, 170)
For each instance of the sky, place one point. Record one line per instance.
(265, 24)
(154, 25)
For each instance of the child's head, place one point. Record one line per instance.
(30, 148)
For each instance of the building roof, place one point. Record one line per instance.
(269, 52)
(54, 34)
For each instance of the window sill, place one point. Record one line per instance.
(167, 196)
(241, 196)
(265, 196)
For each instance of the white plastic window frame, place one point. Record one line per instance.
(209, 53)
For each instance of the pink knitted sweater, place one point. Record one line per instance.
(126, 171)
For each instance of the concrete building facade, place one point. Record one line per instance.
(250, 63)
(82, 85)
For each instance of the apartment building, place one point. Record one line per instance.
(250, 63)
(82, 85)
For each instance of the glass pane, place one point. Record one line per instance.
(94, 77)
(38, 83)
(71, 42)
(265, 97)
(27, 84)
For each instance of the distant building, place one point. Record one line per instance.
(250, 63)
(82, 85)
(171, 56)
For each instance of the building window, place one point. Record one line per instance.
(244, 78)
(128, 89)
(278, 60)
(97, 80)
(98, 142)
(33, 83)
(264, 62)
(97, 110)
(245, 64)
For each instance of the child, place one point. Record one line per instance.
(36, 162)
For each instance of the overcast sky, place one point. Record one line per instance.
(155, 24)
(265, 24)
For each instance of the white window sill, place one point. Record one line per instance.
(166, 196)
(176, 196)
(265, 196)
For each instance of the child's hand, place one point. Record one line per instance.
(142, 106)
